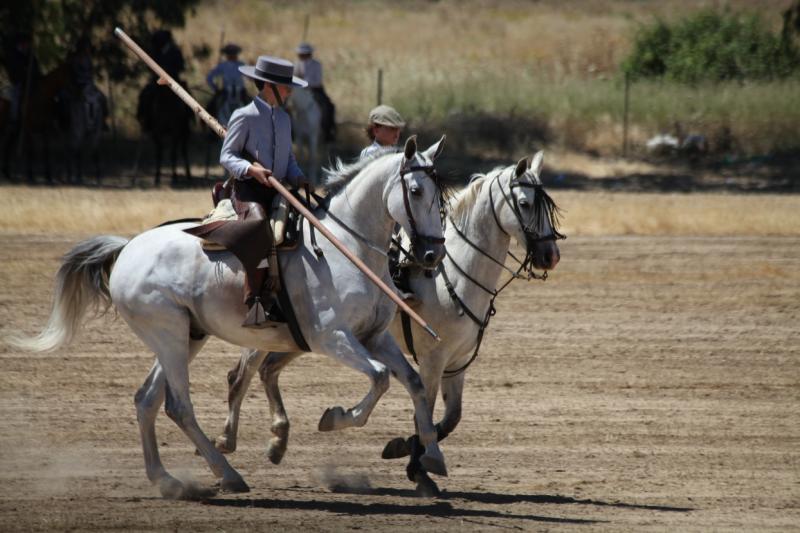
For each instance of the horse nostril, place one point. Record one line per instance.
(429, 257)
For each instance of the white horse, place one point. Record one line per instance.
(174, 295)
(306, 126)
(483, 217)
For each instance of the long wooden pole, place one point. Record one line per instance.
(212, 123)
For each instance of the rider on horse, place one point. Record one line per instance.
(260, 130)
(310, 70)
(232, 83)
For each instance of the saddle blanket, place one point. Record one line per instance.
(224, 211)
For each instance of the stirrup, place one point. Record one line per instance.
(257, 317)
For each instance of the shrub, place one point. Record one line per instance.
(714, 46)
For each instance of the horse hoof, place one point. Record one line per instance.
(426, 487)
(395, 449)
(433, 465)
(172, 489)
(225, 445)
(331, 418)
(276, 450)
(234, 485)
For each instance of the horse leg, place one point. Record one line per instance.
(167, 334)
(174, 159)
(148, 400)
(270, 372)
(387, 352)
(345, 348)
(158, 160)
(238, 381)
(185, 150)
(46, 154)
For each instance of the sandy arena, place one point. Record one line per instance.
(651, 384)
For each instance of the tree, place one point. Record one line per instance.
(57, 26)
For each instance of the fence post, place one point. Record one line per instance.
(625, 116)
(380, 86)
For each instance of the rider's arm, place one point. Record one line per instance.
(294, 175)
(234, 145)
(216, 71)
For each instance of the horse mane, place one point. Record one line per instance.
(462, 201)
(341, 173)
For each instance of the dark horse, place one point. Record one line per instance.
(164, 116)
(39, 110)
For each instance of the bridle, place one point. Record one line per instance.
(416, 237)
(543, 207)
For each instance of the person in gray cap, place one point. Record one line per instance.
(383, 129)
(310, 70)
(261, 131)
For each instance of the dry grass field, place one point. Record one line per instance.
(126, 212)
(550, 68)
(651, 384)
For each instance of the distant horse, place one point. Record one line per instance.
(307, 130)
(163, 115)
(36, 122)
(87, 114)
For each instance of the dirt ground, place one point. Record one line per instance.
(651, 384)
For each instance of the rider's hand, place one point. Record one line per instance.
(260, 174)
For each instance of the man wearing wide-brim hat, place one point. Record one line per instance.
(260, 130)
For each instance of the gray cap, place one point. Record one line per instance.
(386, 116)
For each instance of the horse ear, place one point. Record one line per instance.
(536, 164)
(522, 167)
(435, 150)
(411, 147)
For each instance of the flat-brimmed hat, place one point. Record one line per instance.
(273, 70)
(304, 48)
(231, 49)
(386, 116)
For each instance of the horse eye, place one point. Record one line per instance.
(524, 203)
(415, 190)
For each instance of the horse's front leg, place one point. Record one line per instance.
(238, 381)
(270, 372)
(345, 348)
(387, 351)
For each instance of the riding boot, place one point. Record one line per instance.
(255, 300)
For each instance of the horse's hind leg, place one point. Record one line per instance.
(270, 372)
(167, 334)
(238, 382)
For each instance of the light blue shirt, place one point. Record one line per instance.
(370, 150)
(250, 129)
(229, 72)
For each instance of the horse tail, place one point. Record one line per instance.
(81, 282)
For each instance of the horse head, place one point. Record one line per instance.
(414, 201)
(525, 211)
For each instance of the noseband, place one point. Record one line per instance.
(415, 236)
